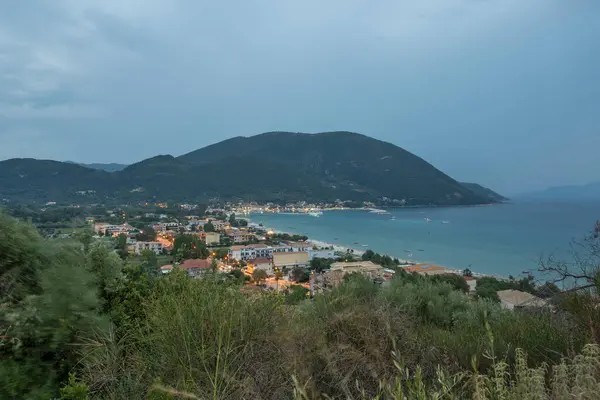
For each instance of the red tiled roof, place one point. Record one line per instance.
(196, 263)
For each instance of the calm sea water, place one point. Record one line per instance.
(500, 239)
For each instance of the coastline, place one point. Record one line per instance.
(359, 252)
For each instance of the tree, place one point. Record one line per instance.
(548, 290)
(320, 264)
(189, 246)
(299, 274)
(295, 294)
(149, 261)
(85, 237)
(368, 255)
(259, 275)
(467, 272)
(122, 246)
(232, 221)
(458, 282)
(147, 234)
(209, 227)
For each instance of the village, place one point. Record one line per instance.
(270, 260)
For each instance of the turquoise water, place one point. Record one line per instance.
(500, 239)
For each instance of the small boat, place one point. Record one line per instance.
(428, 220)
(365, 245)
(445, 222)
(355, 243)
(407, 251)
(393, 219)
(420, 250)
(315, 213)
(525, 272)
(335, 238)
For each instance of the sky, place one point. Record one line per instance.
(505, 93)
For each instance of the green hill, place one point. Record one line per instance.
(484, 192)
(274, 166)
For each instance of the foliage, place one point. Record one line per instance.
(147, 234)
(259, 275)
(458, 282)
(209, 227)
(384, 261)
(299, 274)
(320, 264)
(189, 246)
(48, 307)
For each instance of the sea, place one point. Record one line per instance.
(501, 239)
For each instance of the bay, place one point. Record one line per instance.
(502, 239)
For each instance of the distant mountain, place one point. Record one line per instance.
(484, 192)
(112, 167)
(274, 166)
(590, 191)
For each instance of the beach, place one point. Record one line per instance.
(499, 240)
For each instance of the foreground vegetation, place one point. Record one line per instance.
(77, 321)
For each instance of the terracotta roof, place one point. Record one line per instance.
(195, 263)
(427, 269)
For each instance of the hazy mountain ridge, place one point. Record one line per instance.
(589, 191)
(274, 166)
(110, 167)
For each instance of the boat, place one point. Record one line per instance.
(407, 251)
(377, 211)
(365, 245)
(315, 213)
(355, 243)
(420, 250)
(428, 219)
(393, 219)
(445, 222)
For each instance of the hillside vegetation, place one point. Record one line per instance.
(276, 166)
(77, 322)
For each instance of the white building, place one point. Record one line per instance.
(250, 252)
(321, 253)
(156, 247)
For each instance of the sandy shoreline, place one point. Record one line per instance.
(403, 262)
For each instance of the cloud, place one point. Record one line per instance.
(475, 86)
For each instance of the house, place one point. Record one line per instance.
(516, 299)
(321, 253)
(265, 264)
(335, 275)
(212, 238)
(472, 282)
(239, 235)
(290, 259)
(165, 269)
(292, 247)
(196, 267)
(156, 247)
(249, 252)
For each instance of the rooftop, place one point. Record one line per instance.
(518, 298)
(427, 269)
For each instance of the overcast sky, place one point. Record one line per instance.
(501, 92)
